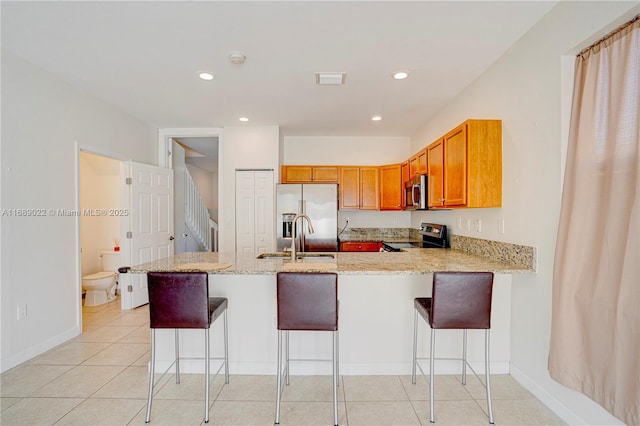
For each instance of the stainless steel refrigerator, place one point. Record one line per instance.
(320, 203)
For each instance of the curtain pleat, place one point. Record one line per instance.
(595, 333)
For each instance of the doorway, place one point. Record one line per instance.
(100, 229)
(194, 161)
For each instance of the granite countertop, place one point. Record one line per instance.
(410, 261)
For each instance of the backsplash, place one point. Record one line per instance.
(500, 251)
(503, 252)
(379, 234)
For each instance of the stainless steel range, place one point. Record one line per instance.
(433, 236)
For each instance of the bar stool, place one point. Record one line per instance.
(459, 300)
(307, 301)
(181, 300)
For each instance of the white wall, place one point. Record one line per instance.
(43, 118)
(345, 151)
(523, 89)
(242, 148)
(204, 182)
(353, 151)
(100, 188)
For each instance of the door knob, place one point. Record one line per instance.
(171, 238)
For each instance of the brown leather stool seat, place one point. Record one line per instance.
(459, 300)
(181, 300)
(307, 301)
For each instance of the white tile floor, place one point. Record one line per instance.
(100, 378)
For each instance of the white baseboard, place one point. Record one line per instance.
(547, 398)
(34, 351)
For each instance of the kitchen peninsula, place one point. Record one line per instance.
(376, 292)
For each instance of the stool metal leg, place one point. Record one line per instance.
(151, 374)
(415, 346)
(279, 391)
(335, 378)
(338, 356)
(464, 356)
(207, 366)
(286, 351)
(226, 348)
(177, 349)
(487, 375)
(431, 367)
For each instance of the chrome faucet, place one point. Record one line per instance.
(293, 233)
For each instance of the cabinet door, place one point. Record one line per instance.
(297, 174)
(369, 188)
(349, 188)
(405, 178)
(391, 187)
(422, 162)
(360, 246)
(413, 166)
(455, 166)
(435, 172)
(325, 174)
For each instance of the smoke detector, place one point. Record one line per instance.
(330, 78)
(237, 58)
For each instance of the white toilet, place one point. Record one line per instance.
(100, 287)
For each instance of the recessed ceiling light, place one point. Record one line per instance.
(243, 119)
(400, 75)
(205, 75)
(376, 118)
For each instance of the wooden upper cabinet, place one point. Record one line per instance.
(418, 163)
(465, 166)
(349, 188)
(359, 188)
(435, 172)
(325, 174)
(405, 177)
(422, 162)
(309, 174)
(455, 166)
(369, 188)
(405, 171)
(391, 187)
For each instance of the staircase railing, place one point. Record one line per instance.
(196, 214)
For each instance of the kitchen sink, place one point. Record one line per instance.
(288, 254)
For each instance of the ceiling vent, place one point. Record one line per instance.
(330, 78)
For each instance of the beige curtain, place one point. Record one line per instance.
(595, 333)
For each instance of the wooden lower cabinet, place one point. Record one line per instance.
(391, 187)
(465, 166)
(360, 246)
(359, 188)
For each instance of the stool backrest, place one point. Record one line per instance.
(179, 299)
(461, 300)
(307, 301)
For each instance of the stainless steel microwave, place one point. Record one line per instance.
(415, 192)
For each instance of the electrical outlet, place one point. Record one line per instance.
(468, 224)
(21, 312)
(459, 223)
(478, 225)
(501, 226)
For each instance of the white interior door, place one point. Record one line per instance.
(263, 212)
(245, 227)
(151, 232)
(254, 211)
